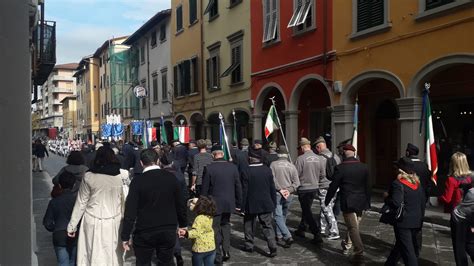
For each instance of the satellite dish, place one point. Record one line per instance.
(140, 92)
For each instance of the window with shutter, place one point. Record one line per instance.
(430, 4)
(208, 74)
(296, 13)
(179, 18)
(164, 84)
(163, 32)
(271, 20)
(142, 54)
(192, 11)
(237, 72)
(370, 13)
(194, 75)
(155, 88)
(153, 39)
(175, 81)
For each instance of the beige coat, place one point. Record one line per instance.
(99, 204)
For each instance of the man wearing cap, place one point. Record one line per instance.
(421, 169)
(328, 220)
(351, 178)
(310, 170)
(221, 182)
(272, 155)
(287, 182)
(244, 145)
(258, 201)
(179, 155)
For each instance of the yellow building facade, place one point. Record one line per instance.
(186, 60)
(227, 51)
(88, 110)
(385, 53)
(70, 116)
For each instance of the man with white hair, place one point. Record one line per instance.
(221, 181)
(351, 177)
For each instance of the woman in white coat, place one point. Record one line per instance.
(99, 204)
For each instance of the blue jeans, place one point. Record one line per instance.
(206, 258)
(281, 211)
(66, 256)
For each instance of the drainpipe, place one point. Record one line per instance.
(148, 76)
(325, 39)
(203, 107)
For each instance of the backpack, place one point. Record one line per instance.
(330, 166)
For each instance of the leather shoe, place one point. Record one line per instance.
(246, 249)
(273, 253)
(225, 256)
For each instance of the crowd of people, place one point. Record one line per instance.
(112, 198)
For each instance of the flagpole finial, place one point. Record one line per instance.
(181, 121)
(162, 114)
(233, 112)
(220, 116)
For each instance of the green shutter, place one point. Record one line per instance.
(370, 13)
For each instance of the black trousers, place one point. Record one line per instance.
(463, 241)
(163, 242)
(250, 224)
(306, 201)
(406, 245)
(221, 226)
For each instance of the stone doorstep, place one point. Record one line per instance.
(433, 214)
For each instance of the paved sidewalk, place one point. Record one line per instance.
(378, 238)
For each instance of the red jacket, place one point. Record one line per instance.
(452, 195)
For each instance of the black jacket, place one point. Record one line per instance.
(414, 199)
(270, 158)
(259, 192)
(240, 159)
(57, 218)
(221, 181)
(191, 153)
(422, 171)
(40, 150)
(180, 156)
(351, 176)
(155, 201)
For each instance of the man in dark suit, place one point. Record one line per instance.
(221, 181)
(192, 150)
(259, 201)
(421, 169)
(180, 155)
(351, 177)
(155, 205)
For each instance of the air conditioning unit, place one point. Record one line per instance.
(337, 86)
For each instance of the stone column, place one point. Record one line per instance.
(410, 114)
(228, 132)
(291, 132)
(192, 132)
(208, 130)
(342, 117)
(257, 126)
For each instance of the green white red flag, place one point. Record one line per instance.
(181, 133)
(431, 157)
(271, 124)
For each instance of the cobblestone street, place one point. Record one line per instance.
(378, 238)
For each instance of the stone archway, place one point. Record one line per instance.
(180, 119)
(311, 99)
(262, 105)
(379, 127)
(197, 126)
(451, 96)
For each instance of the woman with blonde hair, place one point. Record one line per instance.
(458, 177)
(406, 194)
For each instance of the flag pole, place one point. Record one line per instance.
(279, 124)
(225, 136)
(234, 132)
(355, 121)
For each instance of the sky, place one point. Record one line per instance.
(82, 26)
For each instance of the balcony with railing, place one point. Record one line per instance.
(45, 51)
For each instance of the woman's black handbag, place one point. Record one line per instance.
(393, 215)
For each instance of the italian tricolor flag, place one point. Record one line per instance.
(181, 133)
(431, 158)
(271, 124)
